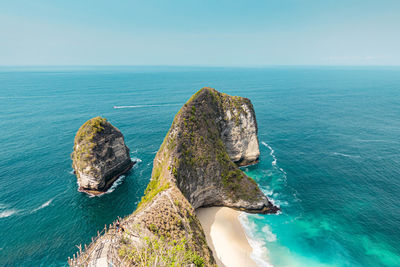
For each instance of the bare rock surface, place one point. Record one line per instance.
(100, 155)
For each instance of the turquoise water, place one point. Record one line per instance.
(330, 157)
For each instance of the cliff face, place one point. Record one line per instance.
(100, 155)
(210, 133)
(238, 127)
(196, 166)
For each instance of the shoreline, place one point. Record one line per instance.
(226, 236)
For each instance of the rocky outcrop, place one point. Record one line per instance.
(238, 126)
(211, 133)
(100, 155)
(196, 166)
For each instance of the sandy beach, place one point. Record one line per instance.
(226, 237)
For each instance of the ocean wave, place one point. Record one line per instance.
(269, 236)
(115, 184)
(267, 191)
(274, 202)
(47, 203)
(146, 106)
(260, 252)
(111, 189)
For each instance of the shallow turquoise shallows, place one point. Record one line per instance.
(330, 157)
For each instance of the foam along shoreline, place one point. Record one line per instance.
(226, 236)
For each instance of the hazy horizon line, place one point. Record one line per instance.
(205, 66)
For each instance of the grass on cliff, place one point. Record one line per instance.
(159, 252)
(89, 129)
(83, 143)
(156, 185)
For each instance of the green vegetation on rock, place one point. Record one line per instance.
(83, 144)
(159, 252)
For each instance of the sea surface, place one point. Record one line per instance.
(330, 157)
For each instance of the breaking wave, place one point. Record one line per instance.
(260, 252)
(115, 184)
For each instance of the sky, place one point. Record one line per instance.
(200, 32)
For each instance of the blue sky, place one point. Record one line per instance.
(200, 32)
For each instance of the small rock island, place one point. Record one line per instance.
(196, 166)
(100, 156)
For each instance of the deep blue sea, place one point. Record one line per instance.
(330, 157)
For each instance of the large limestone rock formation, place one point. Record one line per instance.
(100, 155)
(211, 133)
(196, 166)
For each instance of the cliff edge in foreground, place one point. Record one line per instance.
(196, 166)
(100, 155)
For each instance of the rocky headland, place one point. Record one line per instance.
(100, 156)
(196, 166)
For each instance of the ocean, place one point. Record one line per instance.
(329, 142)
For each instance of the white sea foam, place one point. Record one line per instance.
(115, 184)
(260, 252)
(47, 203)
(274, 159)
(119, 180)
(267, 192)
(146, 106)
(269, 236)
(8, 213)
(136, 160)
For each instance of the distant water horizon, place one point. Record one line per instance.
(330, 156)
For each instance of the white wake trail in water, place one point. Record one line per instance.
(47, 203)
(8, 213)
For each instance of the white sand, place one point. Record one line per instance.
(226, 237)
